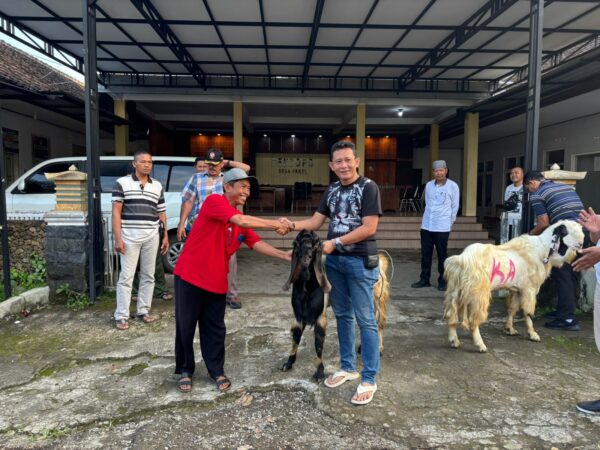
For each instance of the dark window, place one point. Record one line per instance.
(37, 183)
(110, 171)
(556, 156)
(180, 174)
(160, 171)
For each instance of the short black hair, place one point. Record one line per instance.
(198, 159)
(340, 145)
(140, 152)
(533, 175)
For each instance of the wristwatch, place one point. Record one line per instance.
(338, 244)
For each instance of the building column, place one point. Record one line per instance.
(434, 143)
(121, 131)
(361, 113)
(238, 131)
(469, 188)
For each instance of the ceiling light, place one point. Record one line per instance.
(199, 134)
(320, 136)
(264, 135)
(400, 112)
(387, 137)
(348, 136)
(218, 134)
(368, 137)
(293, 135)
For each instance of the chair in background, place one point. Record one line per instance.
(302, 193)
(414, 200)
(405, 199)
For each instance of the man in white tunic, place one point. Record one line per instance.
(441, 206)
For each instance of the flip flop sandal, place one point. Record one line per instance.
(167, 297)
(362, 389)
(183, 382)
(122, 324)
(343, 377)
(146, 318)
(223, 384)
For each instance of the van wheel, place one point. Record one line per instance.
(175, 248)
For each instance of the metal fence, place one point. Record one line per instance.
(111, 258)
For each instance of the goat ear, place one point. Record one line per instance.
(560, 231)
(294, 271)
(319, 272)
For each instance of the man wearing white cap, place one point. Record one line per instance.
(441, 206)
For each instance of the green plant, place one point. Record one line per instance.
(75, 300)
(27, 281)
(22, 281)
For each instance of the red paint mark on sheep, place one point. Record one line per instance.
(497, 272)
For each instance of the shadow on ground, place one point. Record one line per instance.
(70, 380)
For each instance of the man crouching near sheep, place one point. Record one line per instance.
(201, 276)
(552, 202)
(353, 206)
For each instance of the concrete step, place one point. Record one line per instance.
(411, 226)
(389, 234)
(397, 232)
(389, 243)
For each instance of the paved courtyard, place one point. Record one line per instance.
(70, 380)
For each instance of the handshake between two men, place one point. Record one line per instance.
(285, 226)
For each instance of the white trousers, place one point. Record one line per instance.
(145, 252)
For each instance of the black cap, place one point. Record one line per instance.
(214, 156)
(533, 175)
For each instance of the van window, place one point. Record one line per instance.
(180, 174)
(160, 172)
(110, 171)
(37, 183)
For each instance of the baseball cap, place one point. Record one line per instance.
(235, 174)
(214, 156)
(439, 164)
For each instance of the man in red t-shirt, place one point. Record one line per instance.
(201, 276)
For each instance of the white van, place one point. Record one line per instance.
(33, 193)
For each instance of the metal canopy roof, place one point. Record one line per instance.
(373, 51)
(381, 45)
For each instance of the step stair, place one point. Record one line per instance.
(397, 232)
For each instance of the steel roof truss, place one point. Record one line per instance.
(486, 14)
(155, 20)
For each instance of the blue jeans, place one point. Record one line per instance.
(352, 301)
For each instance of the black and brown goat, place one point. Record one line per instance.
(308, 296)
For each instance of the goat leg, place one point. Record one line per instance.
(296, 331)
(320, 332)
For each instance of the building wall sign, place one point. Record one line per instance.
(286, 169)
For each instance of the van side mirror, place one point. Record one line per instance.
(21, 186)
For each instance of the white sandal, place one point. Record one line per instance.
(361, 389)
(343, 377)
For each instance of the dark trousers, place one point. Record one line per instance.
(194, 305)
(566, 284)
(439, 240)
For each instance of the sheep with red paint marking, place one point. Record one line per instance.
(519, 266)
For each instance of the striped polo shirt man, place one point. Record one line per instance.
(142, 205)
(558, 201)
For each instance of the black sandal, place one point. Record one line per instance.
(183, 382)
(223, 384)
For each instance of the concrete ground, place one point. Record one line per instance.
(71, 380)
